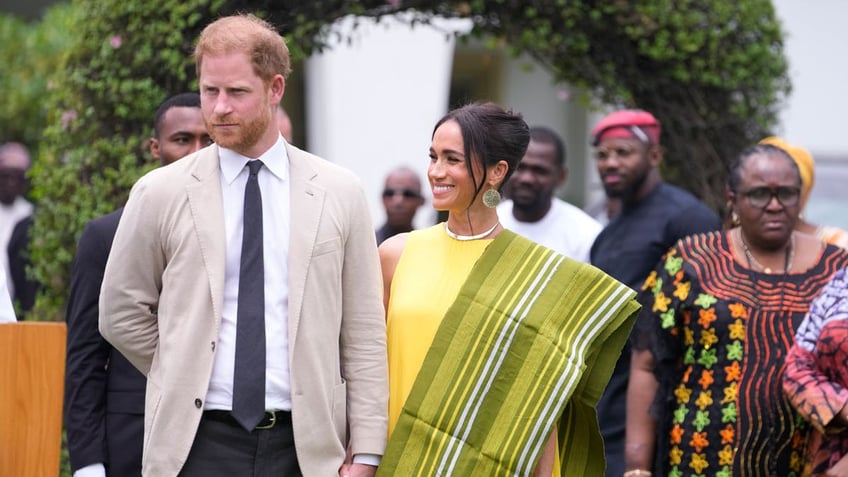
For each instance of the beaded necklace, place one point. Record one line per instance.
(752, 260)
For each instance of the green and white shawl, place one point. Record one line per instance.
(530, 342)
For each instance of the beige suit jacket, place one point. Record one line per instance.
(162, 294)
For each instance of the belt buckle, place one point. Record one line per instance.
(273, 420)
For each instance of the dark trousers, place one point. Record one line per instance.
(223, 448)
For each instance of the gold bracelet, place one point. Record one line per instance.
(636, 473)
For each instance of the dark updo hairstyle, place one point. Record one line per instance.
(734, 177)
(490, 134)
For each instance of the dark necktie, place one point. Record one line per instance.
(249, 372)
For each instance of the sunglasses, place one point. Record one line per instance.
(406, 193)
(759, 197)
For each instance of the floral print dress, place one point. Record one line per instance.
(719, 334)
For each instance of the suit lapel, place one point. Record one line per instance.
(207, 212)
(307, 202)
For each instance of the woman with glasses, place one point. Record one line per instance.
(720, 313)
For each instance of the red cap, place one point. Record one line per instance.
(628, 123)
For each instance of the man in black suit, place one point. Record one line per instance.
(104, 393)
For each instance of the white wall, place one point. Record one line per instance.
(529, 88)
(373, 103)
(815, 45)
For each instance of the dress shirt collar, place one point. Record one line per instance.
(275, 159)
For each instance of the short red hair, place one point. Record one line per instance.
(248, 34)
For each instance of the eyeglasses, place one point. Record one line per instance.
(760, 197)
(406, 193)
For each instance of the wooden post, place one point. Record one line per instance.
(32, 378)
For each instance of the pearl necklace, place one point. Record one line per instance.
(465, 238)
(787, 259)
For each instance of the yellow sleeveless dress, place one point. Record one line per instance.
(429, 274)
(431, 270)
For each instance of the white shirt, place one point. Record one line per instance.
(565, 228)
(274, 185)
(10, 215)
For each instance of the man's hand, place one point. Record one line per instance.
(357, 470)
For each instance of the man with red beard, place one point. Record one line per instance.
(654, 216)
(244, 282)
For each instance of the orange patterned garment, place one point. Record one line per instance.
(719, 333)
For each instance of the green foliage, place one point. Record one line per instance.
(712, 71)
(125, 58)
(29, 53)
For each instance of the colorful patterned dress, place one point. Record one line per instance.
(816, 377)
(719, 333)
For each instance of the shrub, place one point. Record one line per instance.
(712, 71)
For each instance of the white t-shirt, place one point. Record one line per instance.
(565, 228)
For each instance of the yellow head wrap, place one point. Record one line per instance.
(803, 159)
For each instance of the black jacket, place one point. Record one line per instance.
(104, 393)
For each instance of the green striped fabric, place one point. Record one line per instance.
(530, 342)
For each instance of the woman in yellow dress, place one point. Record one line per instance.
(498, 347)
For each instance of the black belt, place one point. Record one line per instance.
(271, 418)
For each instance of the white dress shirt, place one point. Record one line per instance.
(274, 184)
